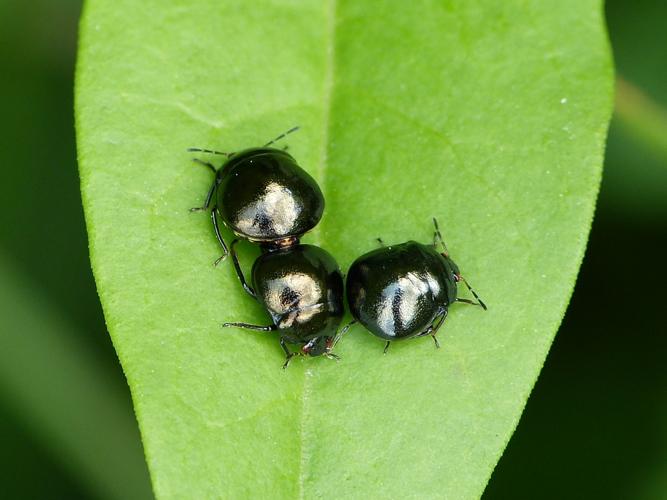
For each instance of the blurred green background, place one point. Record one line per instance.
(594, 427)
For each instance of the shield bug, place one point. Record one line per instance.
(262, 195)
(301, 287)
(404, 291)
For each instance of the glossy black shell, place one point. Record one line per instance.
(397, 291)
(301, 287)
(263, 195)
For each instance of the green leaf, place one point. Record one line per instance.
(490, 116)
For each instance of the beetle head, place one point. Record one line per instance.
(320, 346)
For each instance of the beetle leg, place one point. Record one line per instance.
(209, 195)
(386, 347)
(437, 327)
(468, 301)
(212, 167)
(246, 326)
(207, 202)
(289, 355)
(379, 240)
(216, 227)
(288, 359)
(284, 346)
(239, 272)
(432, 330)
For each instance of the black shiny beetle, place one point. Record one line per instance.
(301, 287)
(404, 291)
(262, 195)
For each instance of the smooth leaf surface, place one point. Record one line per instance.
(490, 116)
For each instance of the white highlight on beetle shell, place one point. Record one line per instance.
(275, 210)
(297, 296)
(401, 300)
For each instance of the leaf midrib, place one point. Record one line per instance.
(330, 38)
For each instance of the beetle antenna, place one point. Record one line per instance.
(284, 134)
(479, 301)
(212, 151)
(437, 236)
